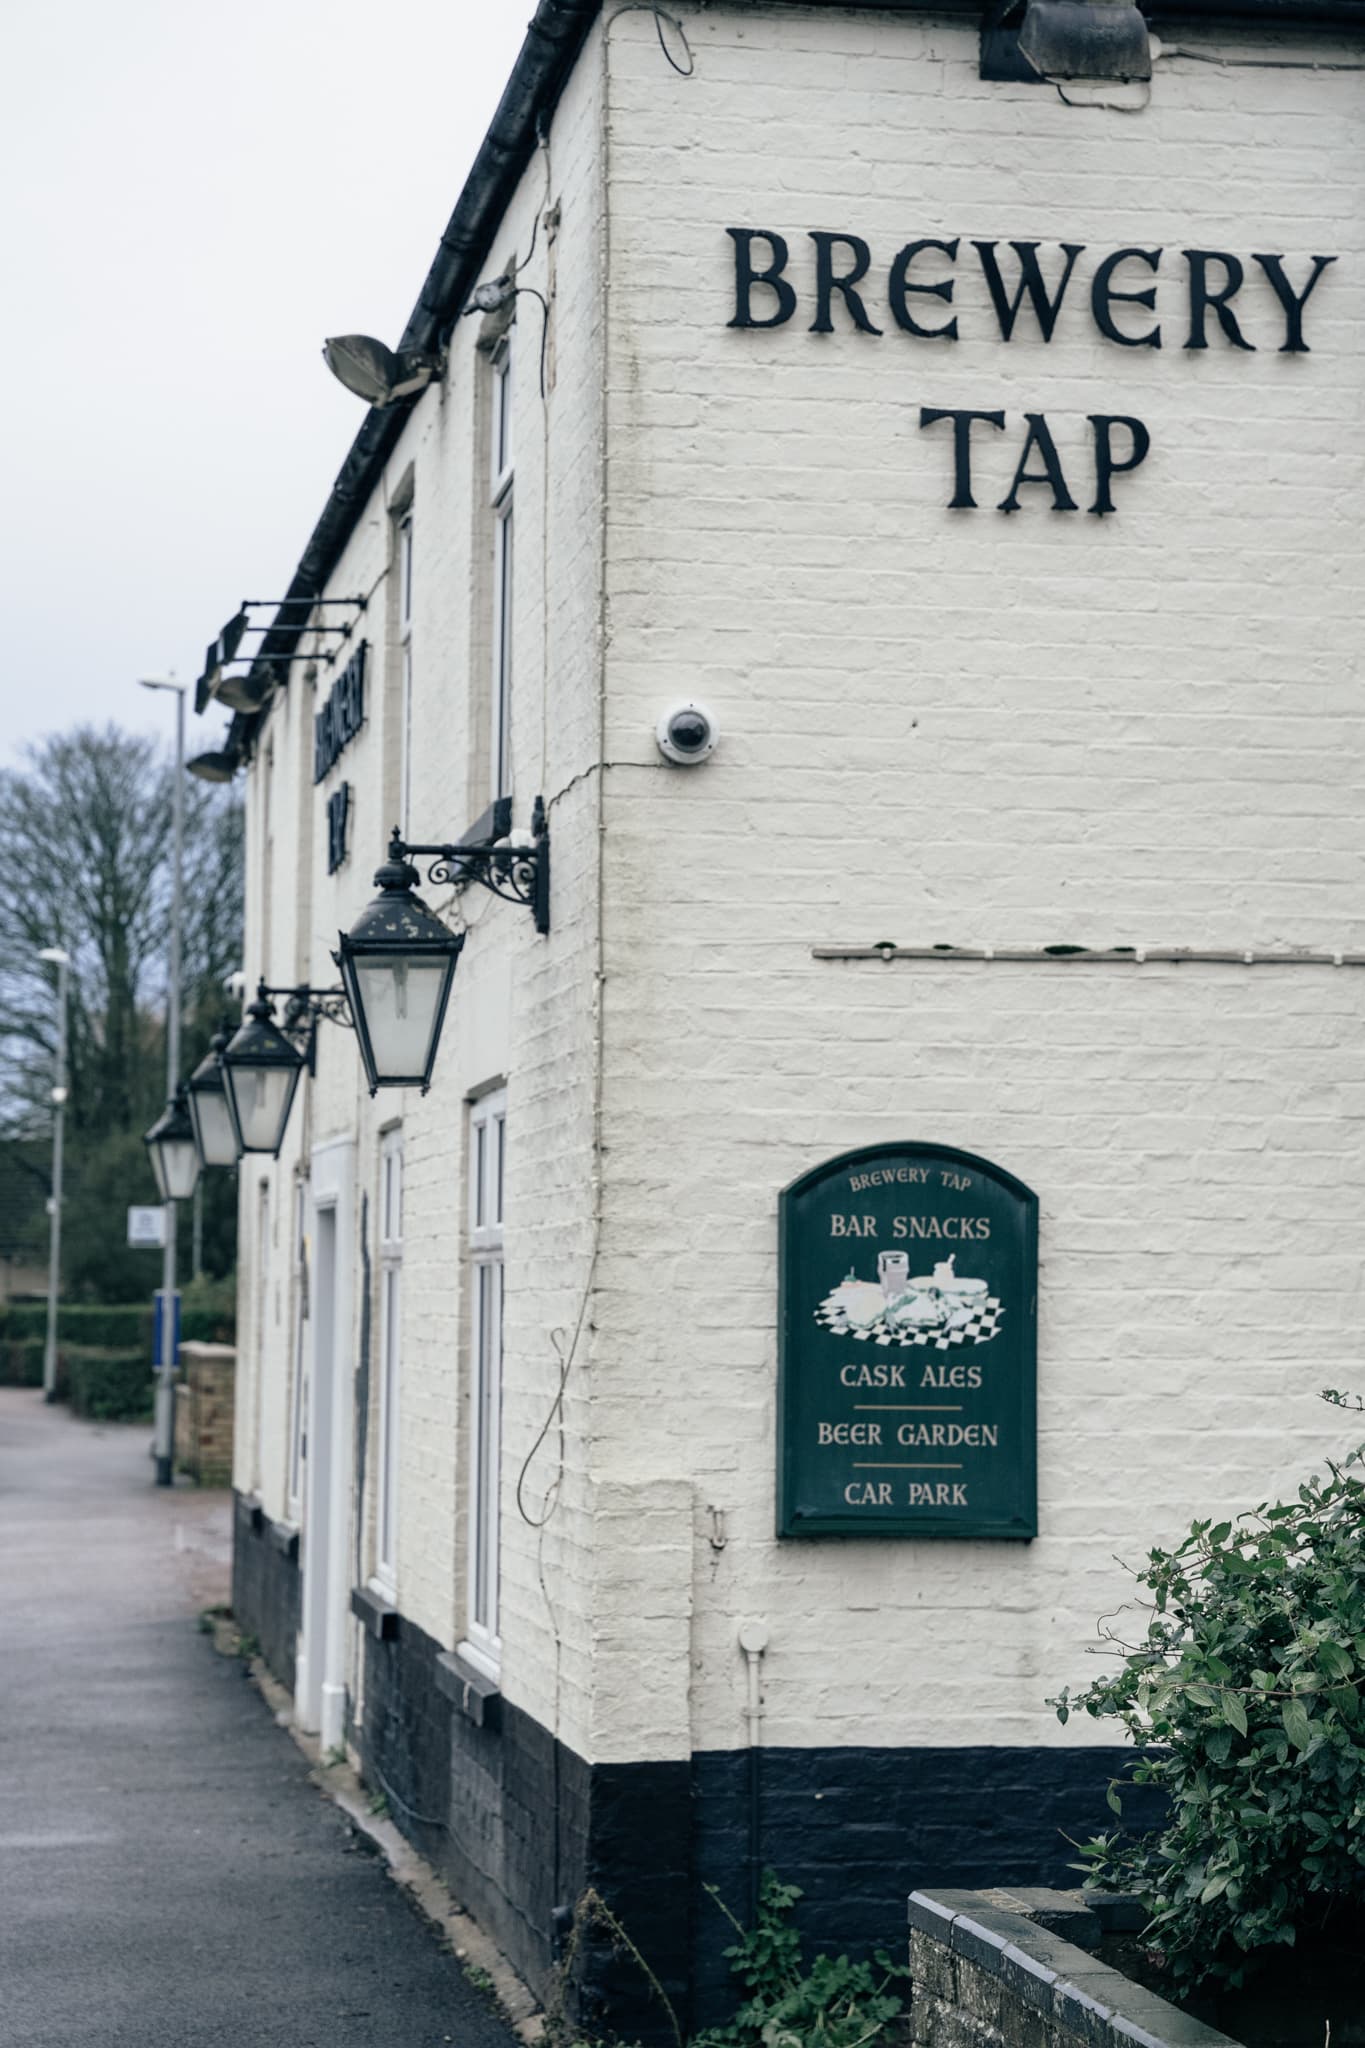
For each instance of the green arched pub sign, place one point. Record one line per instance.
(907, 1335)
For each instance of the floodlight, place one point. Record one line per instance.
(375, 373)
(214, 767)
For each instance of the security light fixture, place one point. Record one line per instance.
(257, 674)
(215, 767)
(215, 1134)
(1085, 39)
(397, 963)
(375, 373)
(172, 1151)
(1039, 41)
(245, 692)
(261, 1069)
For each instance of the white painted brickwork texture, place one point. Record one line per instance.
(524, 1007)
(937, 726)
(965, 727)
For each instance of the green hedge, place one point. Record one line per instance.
(109, 1386)
(122, 1327)
(21, 1361)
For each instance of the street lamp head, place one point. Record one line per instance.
(167, 682)
(215, 1133)
(56, 956)
(261, 1070)
(397, 963)
(171, 1149)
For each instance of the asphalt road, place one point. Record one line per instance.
(168, 1875)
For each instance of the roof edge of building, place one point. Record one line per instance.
(554, 37)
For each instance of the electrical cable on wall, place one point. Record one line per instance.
(1108, 106)
(661, 15)
(1160, 49)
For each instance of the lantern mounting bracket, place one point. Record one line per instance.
(515, 866)
(304, 1008)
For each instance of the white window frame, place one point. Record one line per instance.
(390, 1238)
(487, 1181)
(501, 494)
(298, 1412)
(404, 566)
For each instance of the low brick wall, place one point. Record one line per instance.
(204, 1411)
(1002, 1969)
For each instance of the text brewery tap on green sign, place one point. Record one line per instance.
(908, 1281)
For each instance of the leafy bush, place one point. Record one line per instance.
(21, 1361)
(109, 1386)
(834, 2004)
(1250, 1680)
(120, 1324)
(208, 1311)
(207, 1315)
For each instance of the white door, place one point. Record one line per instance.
(320, 1675)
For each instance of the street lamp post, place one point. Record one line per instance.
(165, 1385)
(61, 961)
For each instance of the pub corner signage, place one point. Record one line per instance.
(341, 717)
(908, 1347)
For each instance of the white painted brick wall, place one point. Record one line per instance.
(522, 1006)
(954, 726)
(936, 727)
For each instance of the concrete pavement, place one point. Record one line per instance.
(168, 1875)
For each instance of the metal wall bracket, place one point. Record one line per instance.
(515, 866)
(304, 1008)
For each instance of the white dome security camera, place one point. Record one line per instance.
(686, 733)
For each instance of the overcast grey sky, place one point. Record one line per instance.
(194, 196)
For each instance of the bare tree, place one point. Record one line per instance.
(85, 844)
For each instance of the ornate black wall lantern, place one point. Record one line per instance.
(172, 1151)
(398, 960)
(261, 1069)
(262, 1062)
(397, 963)
(215, 1134)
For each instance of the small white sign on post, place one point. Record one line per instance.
(147, 1229)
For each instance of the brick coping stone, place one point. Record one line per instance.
(1015, 1966)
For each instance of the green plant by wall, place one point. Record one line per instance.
(207, 1316)
(833, 2004)
(1250, 1678)
(208, 1310)
(21, 1361)
(109, 1386)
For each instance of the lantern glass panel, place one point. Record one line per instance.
(214, 1134)
(262, 1097)
(154, 1155)
(179, 1167)
(402, 1000)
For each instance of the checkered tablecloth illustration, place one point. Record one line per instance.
(979, 1329)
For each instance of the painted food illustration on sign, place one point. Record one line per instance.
(940, 1308)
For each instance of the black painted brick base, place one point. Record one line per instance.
(857, 1829)
(860, 1829)
(267, 1587)
(520, 1826)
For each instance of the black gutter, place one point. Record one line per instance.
(554, 37)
